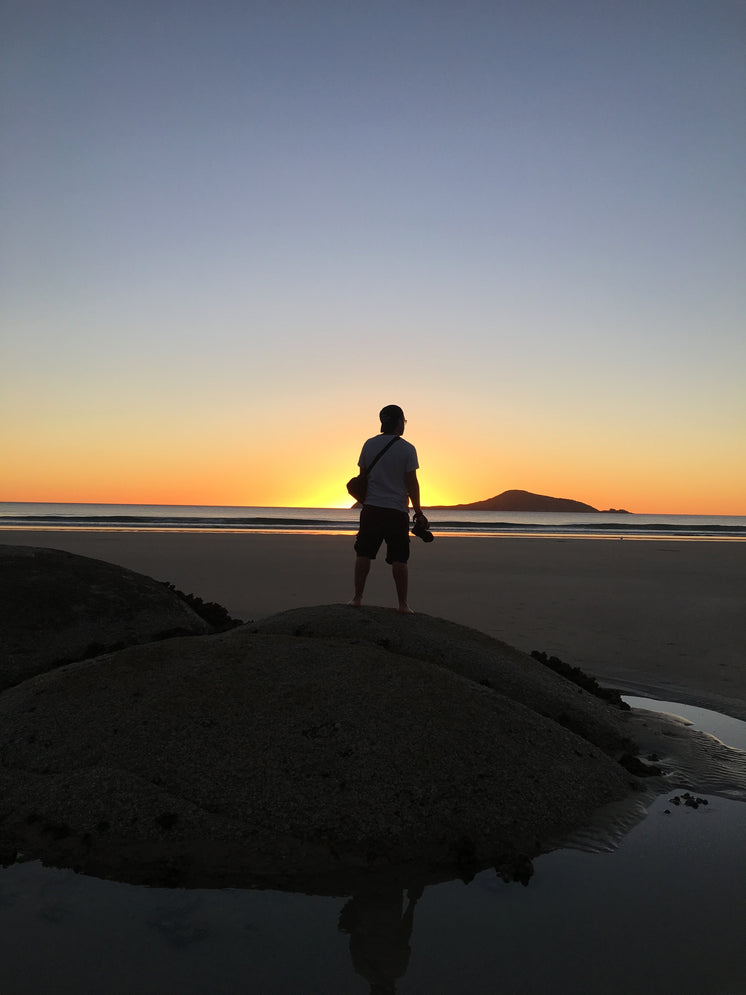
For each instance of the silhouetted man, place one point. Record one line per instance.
(384, 516)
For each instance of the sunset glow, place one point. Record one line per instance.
(231, 237)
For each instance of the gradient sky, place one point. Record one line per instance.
(232, 231)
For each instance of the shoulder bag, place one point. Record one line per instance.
(358, 486)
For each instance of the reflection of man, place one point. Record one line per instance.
(380, 934)
(385, 515)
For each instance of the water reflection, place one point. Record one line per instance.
(380, 933)
(673, 889)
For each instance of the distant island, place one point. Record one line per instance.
(525, 501)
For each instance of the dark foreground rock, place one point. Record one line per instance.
(469, 653)
(317, 749)
(56, 607)
(277, 756)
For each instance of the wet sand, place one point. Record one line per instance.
(662, 618)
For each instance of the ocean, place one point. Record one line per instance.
(343, 521)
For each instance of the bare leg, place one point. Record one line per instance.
(362, 569)
(401, 579)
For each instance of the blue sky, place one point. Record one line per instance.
(241, 228)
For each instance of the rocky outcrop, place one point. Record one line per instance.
(261, 755)
(311, 750)
(56, 607)
(467, 653)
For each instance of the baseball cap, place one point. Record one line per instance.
(390, 416)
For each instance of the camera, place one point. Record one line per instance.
(420, 528)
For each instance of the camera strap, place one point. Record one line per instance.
(366, 470)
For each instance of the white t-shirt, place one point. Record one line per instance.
(386, 484)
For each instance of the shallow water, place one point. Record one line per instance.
(663, 912)
(445, 522)
(724, 727)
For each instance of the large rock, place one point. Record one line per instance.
(273, 757)
(311, 750)
(56, 607)
(471, 654)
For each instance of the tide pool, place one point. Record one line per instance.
(664, 911)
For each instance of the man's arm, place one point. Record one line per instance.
(413, 490)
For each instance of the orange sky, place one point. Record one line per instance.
(300, 465)
(526, 231)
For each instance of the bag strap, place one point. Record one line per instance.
(367, 469)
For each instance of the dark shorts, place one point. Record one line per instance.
(383, 524)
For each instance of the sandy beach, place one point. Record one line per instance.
(662, 618)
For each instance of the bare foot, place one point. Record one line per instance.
(405, 610)
(355, 603)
